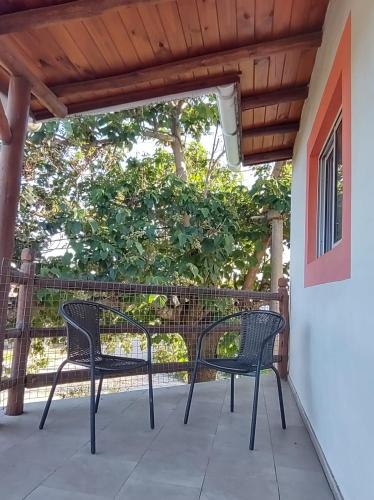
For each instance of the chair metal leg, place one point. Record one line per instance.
(232, 392)
(192, 385)
(50, 397)
(151, 405)
(92, 411)
(254, 411)
(99, 393)
(280, 395)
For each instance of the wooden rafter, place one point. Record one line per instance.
(275, 97)
(170, 69)
(12, 62)
(139, 96)
(278, 128)
(41, 17)
(268, 156)
(5, 132)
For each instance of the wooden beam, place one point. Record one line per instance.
(5, 132)
(276, 97)
(268, 156)
(277, 128)
(11, 60)
(170, 69)
(146, 95)
(41, 17)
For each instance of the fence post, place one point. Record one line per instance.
(283, 339)
(4, 297)
(22, 344)
(276, 254)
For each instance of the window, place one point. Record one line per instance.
(330, 192)
(328, 176)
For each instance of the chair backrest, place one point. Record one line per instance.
(255, 328)
(86, 315)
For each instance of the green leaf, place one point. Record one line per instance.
(139, 247)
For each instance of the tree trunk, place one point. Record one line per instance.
(250, 277)
(204, 374)
(180, 167)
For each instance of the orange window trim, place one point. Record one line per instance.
(334, 265)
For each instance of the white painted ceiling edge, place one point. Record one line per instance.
(228, 108)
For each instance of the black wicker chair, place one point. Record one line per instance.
(82, 319)
(258, 330)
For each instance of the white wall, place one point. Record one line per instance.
(332, 325)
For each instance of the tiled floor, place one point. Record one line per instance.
(208, 459)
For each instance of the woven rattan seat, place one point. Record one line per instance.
(111, 363)
(230, 365)
(257, 332)
(82, 319)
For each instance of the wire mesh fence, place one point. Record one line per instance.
(33, 337)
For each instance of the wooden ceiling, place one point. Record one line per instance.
(90, 54)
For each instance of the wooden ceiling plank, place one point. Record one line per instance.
(209, 23)
(191, 26)
(275, 81)
(139, 38)
(12, 62)
(172, 25)
(261, 82)
(264, 19)
(227, 23)
(245, 20)
(102, 36)
(268, 156)
(274, 97)
(145, 94)
(282, 17)
(155, 31)
(83, 39)
(5, 132)
(72, 50)
(261, 49)
(317, 12)
(277, 128)
(42, 17)
(114, 24)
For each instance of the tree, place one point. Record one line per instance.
(175, 216)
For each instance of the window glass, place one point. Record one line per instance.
(330, 192)
(338, 184)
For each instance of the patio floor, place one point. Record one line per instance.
(208, 459)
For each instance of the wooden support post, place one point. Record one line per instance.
(284, 338)
(22, 344)
(5, 133)
(11, 157)
(276, 253)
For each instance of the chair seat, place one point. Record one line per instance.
(230, 365)
(111, 363)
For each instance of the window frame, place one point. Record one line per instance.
(330, 147)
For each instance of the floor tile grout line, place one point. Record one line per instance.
(149, 446)
(271, 443)
(82, 446)
(211, 446)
